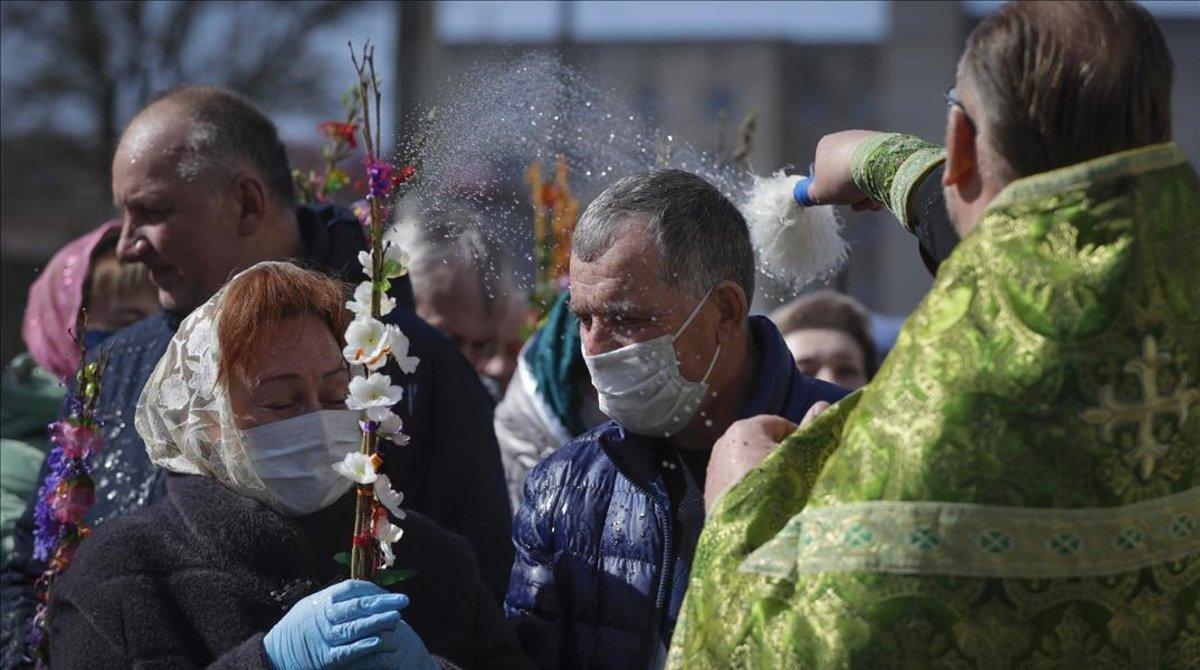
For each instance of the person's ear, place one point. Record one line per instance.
(733, 308)
(251, 200)
(962, 157)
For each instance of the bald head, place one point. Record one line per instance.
(212, 127)
(205, 190)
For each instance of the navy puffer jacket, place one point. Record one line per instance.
(603, 556)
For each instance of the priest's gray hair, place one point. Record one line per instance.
(701, 237)
(453, 237)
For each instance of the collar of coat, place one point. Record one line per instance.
(233, 530)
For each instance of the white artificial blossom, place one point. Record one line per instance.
(387, 534)
(361, 304)
(395, 261)
(391, 428)
(374, 395)
(399, 344)
(358, 467)
(387, 496)
(369, 341)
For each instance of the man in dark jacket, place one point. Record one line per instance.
(205, 188)
(661, 275)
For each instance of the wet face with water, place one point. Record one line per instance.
(621, 299)
(298, 370)
(180, 219)
(829, 355)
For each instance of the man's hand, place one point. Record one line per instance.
(744, 446)
(832, 183)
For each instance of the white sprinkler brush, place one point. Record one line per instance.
(797, 242)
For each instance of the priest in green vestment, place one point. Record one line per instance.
(1019, 486)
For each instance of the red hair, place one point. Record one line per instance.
(263, 296)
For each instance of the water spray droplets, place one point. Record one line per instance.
(494, 120)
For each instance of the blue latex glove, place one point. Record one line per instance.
(401, 649)
(341, 626)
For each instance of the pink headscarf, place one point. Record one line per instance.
(54, 302)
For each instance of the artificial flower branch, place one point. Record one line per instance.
(68, 491)
(370, 344)
(341, 143)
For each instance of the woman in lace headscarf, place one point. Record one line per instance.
(233, 568)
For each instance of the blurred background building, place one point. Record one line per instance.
(72, 74)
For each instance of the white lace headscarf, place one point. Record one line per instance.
(184, 415)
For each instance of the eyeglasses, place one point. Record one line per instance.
(953, 101)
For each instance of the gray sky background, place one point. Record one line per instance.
(812, 21)
(615, 20)
(594, 20)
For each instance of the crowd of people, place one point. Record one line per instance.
(656, 476)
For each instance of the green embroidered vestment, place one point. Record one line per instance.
(1018, 486)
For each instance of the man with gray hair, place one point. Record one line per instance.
(662, 273)
(460, 283)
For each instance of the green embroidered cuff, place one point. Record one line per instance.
(890, 166)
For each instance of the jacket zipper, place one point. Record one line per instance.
(661, 588)
(665, 524)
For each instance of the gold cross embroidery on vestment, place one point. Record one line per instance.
(1146, 450)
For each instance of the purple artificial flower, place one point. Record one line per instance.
(76, 440)
(74, 407)
(46, 527)
(382, 176)
(379, 176)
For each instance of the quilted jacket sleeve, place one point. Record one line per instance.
(533, 604)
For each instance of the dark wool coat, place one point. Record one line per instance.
(603, 554)
(450, 472)
(196, 580)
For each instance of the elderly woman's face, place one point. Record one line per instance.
(299, 370)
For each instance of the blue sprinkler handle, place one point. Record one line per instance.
(800, 192)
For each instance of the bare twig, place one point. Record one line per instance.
(741, 157)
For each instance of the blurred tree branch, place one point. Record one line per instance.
(97, 63)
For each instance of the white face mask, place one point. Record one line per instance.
(294, 458)
(641, 388)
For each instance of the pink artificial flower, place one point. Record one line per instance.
(76, 440)
(71, 500)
